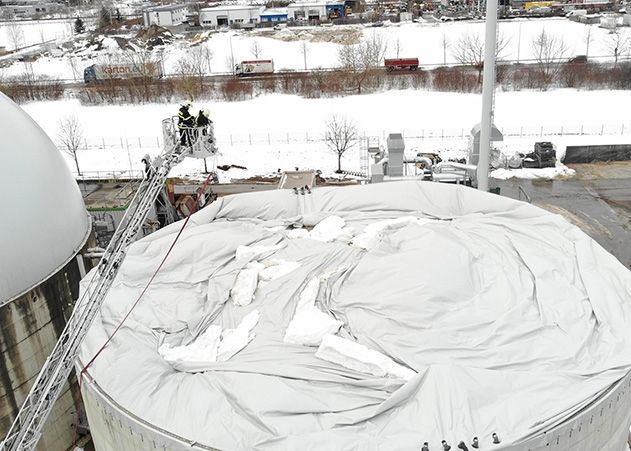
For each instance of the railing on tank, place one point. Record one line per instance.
(200, 141)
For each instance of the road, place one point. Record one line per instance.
(598, 200)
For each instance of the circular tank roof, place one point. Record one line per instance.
(44, 222)
(368, 317)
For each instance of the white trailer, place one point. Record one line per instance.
(254, 67)
(98, 72)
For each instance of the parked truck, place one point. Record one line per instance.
(254, 67)
(401, 63)
(100, 72)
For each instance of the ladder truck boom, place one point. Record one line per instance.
(29, 422)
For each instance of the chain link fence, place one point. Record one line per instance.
(423, 134)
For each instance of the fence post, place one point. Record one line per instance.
(602, 129)
(129, 158)
(268, 140)
(541, 132)
(230, 138)
(581, 129)
(250, 138)
(561, 131)
(521, 131)
(442, 133)
(307, 136)
(622, 130)
(157, 142)
(287, 137)
(139, 143)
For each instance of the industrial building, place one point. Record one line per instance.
(42, 240)
(315, 10)
(235, 15)
(226, 15)
(274, 15)
(165, 16)
(27, 9)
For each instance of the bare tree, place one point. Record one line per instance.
(397, 47)
(469, 50)
(70, 137)
(15, 34)
(196, 63)
(444, 43)
(28, 79)
(617, 43)
(341, 135)
(360, 60)
(255, 49)
(145, 65)
(549, 52)
(229, 62)
(304, 50)
(72, 62)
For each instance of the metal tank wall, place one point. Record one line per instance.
(601, 426)
(29, 328)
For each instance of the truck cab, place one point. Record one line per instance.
(89, 74)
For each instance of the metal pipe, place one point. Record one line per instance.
(488, 85)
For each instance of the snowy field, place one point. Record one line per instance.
(35, 31)
(280, 131)
(422, 40)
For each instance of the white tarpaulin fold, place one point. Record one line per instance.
(512, 319)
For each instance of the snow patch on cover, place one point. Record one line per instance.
(234, 340)
(257, 273)
(242, 292)
(309, 323)
(373, 233)
(249, 253)
(355, 356)
(212, 345)
(329, 229)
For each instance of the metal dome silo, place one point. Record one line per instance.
(472, 314)
(43, 228)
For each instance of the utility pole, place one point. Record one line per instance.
(231, 55)
(488, 87)
(519, 43)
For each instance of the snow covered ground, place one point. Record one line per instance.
(281, 131)
(422, 40)
(36, 31)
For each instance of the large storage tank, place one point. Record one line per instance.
(490, 316)
(43, 227)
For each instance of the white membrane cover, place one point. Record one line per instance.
(512, 318)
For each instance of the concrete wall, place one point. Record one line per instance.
(29, 328)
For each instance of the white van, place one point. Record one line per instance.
(576, 13)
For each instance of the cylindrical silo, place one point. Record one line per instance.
(43, 229)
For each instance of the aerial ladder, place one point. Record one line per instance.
(179, 143)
